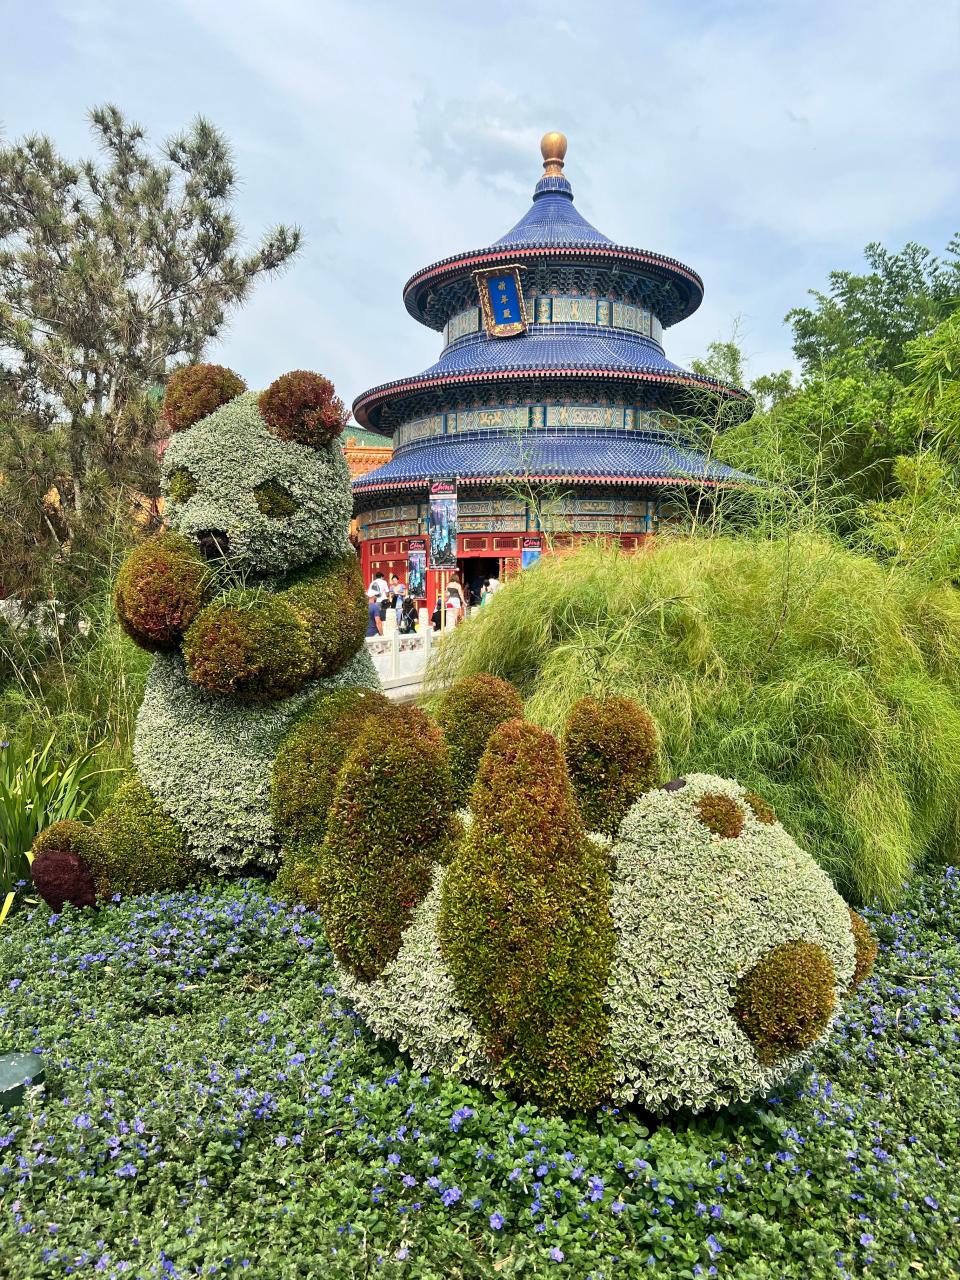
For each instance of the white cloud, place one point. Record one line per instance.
(762, 141)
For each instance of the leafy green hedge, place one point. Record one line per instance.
(468, 712)
(305, 776)
(611, 751)
(390, 820)
(524, 923)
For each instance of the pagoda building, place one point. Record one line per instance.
(552, 412)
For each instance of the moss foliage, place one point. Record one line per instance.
(140, 848)
(525, 927)
(248, 644)
(611, 751)
(694, 915)
(784, 1003)
(181, 485)
(762, 811)
(822, 680)
(160, 590)
(329, 600)
(305, 778)
(468, 712)
(720, 814)
(302, 406)
(64, 855)
(196, 391)
(866, 946)
(388, 824)
(274, 500)
(208, 759)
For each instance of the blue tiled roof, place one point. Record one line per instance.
(619, 459)
(552, 219)
(593, 348)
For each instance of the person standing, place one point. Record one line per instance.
(455, 601)
(398, 591)
(374, 620)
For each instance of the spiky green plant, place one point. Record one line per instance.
(827, 682)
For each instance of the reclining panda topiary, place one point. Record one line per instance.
(253, 603)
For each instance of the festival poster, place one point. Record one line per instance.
(530, 550)
(443, 524)
(417, 567)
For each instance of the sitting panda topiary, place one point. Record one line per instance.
(253, 603)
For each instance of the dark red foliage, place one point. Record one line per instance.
(196, 391)
(302, 406)
(61, 876)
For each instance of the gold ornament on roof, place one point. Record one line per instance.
(553, 147)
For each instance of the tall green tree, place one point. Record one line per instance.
(111, 270)
(903, 296)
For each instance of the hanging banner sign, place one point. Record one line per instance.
(530, 550)
(501, 301)
(417, 566)
(443, 524)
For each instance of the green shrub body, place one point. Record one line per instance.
(245, 643)
(713, 966)
(525, 926)
(305, 777)
(468, 712)
(141, 848)
(825, 682)
(611, 752)
(387, 826)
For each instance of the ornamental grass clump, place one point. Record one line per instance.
(468, 712)
(524, 924)
(610, 746)
(827, 683)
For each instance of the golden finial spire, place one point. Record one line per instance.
(553, 147)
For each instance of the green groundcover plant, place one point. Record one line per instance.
(819, 678)
(212, 1109)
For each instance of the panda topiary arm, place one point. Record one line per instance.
(330, 601)
(250, 644)
(160, 590)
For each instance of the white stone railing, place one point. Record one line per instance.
(401, 661)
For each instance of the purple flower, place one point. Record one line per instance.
(596, 1189)
(866, 1238)
(450, 1196)
(930, 1202)
(714, 1245)
(556, 1254)
(496, 1221)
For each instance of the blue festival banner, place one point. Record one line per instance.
(531, 550)
(443, 524)
(417, 567)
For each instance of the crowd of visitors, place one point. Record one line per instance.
(383, 596)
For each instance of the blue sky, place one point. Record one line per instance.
(763, 143)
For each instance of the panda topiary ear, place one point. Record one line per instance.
(196, 391)
(303, 407)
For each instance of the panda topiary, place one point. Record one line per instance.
(692, 963)
(252, 602)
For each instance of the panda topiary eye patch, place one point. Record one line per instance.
(274, 500)
(182, 485)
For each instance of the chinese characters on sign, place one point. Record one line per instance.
(501, 301)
